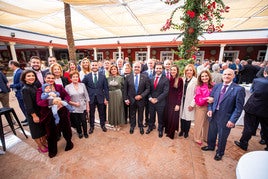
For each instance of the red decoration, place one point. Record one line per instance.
(191, 13)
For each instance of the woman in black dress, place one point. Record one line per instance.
(37, 128)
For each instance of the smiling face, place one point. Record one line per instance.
(75, 78)
(173, 72)
(94, 66)
(114, 71)
(50, 79)
(204, 77)
(158, 69)
(228, 76)
(137, 68)
(35, 64)
(30, 78)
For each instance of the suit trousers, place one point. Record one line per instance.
(217, 127)
(250, 122)
(22, 107)
(133, 109)
(201, 124)
(78, 120)
(160, 114)
(101, 110)
(4, 99)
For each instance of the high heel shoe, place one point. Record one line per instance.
(199, 143)
(42, 150)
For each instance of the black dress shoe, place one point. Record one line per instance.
(25, 124)
(154, 126)
(141, 130)
(145, 124)
(180, 134)
(262, 142)
(24, 121)
(207, 148)
(91, 130)
(266, 148)
(148, 131)
(69, 146)
(218, 157)
(80, 136)
(131, 131)
(104, 129)
(160, 134)
(240, 145)
(86, 135)
(186, 135)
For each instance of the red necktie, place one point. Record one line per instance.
(155, 82)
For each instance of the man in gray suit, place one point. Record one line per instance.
(227, 106)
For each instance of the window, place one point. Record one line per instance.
(200, 55)
(141, 55)
(116, 55)
(230, 55)
(261, 55)
(166, 55)
(100, 56)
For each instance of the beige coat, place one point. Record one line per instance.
(189, 100)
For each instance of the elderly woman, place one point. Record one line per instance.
(47, 116)
(216, 75)
(80, 102)
(57, 71)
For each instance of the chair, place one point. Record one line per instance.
(7, 112)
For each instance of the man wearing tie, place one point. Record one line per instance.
(228, 100)
(159, 87)
(98, 91)
(136, 88)
(167, 65)
(17, 87)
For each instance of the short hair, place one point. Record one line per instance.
(74, 73)
(51, 69)
(159, 63)
(215, 67)
(15, 63)
(24, 73)
(35, 57)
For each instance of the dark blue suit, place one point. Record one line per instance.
(230, 109)
(256, 111)
(97, 94)
(17, 87)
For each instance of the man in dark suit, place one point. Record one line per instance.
(256, 110)
(150, 74)
(248, 72)
(98, 91)
(136, 88)
(4, 90)
(227, 106)
(17, 86)
(159, 87)
(50, 61)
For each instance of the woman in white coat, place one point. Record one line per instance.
(188, 103)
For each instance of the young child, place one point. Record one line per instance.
(54, 100)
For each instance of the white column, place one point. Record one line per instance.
(119, 53)
(221, 53)
(13, 51)
(50, 50)
(95, 54)
(266, 54)
(148, 52)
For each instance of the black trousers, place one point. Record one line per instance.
(79, 120)
(136, 106)
(250, 122)
(160, 113)
(185, 126)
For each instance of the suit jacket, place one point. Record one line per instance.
(257, 102)
(147, 72)
(3, 83)
(129, 88)
(248, 73)
(17, 85)
(101, 90)
(161, 90)
(232, 103)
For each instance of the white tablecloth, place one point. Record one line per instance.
(253, 165)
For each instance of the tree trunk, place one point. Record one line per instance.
(69, 32)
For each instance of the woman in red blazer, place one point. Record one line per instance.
(46, 116)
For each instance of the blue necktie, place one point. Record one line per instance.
(136, 83)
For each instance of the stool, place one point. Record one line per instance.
(7, 112)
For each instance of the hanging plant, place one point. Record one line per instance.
(199, 16)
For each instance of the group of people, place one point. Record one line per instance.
(68, 98)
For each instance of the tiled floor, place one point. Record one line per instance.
(120, 155)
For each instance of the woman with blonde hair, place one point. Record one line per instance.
(188, 102)
(202, 93)
(56, 70)
(85, 68)
(172, 109)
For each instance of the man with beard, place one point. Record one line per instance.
(35, 63)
